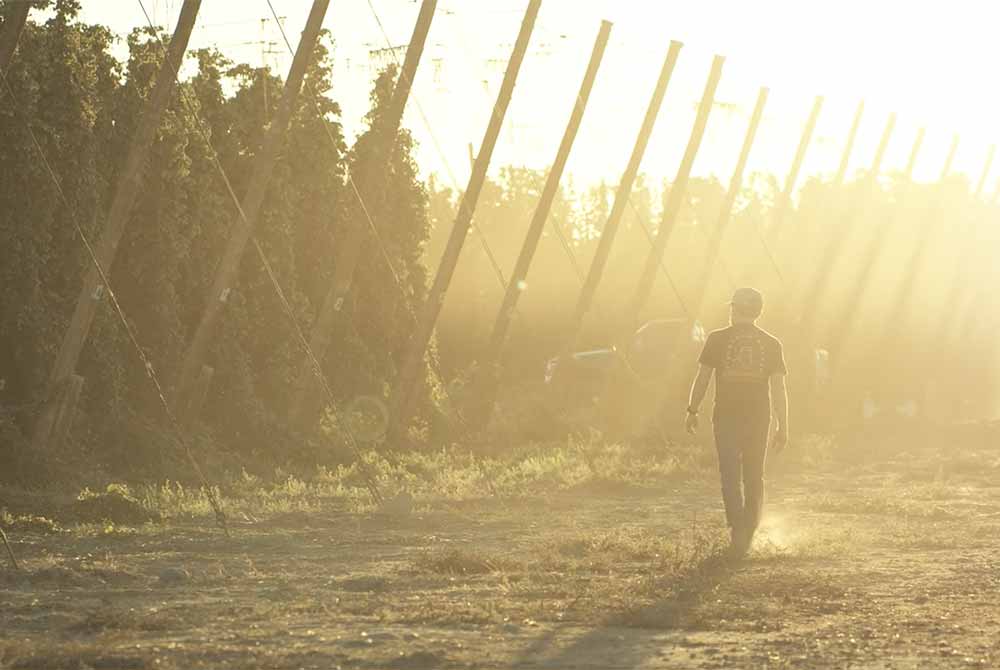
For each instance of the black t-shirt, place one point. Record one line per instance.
(744, 357)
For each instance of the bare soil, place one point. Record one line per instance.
(891, 563)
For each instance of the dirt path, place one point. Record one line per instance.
(892, 565)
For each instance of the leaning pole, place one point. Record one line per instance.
(789, 294)
(981, 184)
(675, 198)
(718, 233)
(410, 373)
(777, 224)
(586, 300)
(303, 409)
(193, 380)
(962, 295)
(902, 298)
(844, 325)
(778, 220)
(63, 384)
(819, 281)
(852, 136)
(964, 299)
(486, 388)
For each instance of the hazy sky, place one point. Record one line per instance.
(932, 62)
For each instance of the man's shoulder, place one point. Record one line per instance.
(770, 337)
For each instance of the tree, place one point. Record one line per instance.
(390, 279)
(63, 80)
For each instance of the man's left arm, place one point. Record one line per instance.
(779, 398)
(779, 403)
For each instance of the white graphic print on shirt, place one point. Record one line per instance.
(745, 358)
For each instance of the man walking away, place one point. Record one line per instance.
(749, 369)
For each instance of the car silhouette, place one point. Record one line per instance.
(618, 387)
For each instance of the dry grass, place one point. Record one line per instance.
(28, 523)
(886, 502)
(447, 475)
(464, 562)
(505, 555)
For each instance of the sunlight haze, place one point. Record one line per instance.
(514, 367)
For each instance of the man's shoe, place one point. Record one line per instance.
(740, 540)
(738, 543)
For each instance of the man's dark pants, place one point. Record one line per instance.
(741, 443)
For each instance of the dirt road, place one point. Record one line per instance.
(888, 564)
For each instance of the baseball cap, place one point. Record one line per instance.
(748, 300)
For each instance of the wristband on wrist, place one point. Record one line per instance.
(692, 411)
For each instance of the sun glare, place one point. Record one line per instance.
(925, 61)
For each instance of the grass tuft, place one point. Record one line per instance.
(465, 562)
(116, 504)
(28, 523)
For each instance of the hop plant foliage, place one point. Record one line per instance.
(84, 106)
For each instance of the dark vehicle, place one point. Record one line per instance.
(619, 387)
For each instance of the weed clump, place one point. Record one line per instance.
(461, 562)
(28, 523)
(115, 504)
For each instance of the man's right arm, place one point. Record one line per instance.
(700, 387)
(707, 361)
(698, 390)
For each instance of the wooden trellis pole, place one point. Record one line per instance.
(622, 195)
(852, 136)
(64, 386)
(10, 552)
(303, 407)
(963, 296)
(15, 18)
(785, 198)
(838, 180)
(675, 198)
(843, 326)
(243, 228)
(821, 276)
(718, 232)
(489, 364)
(986, 171)
(972, 305)
(773, 238)
(781, 307)
(913, 266)
(413, 362)
(980, 291)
